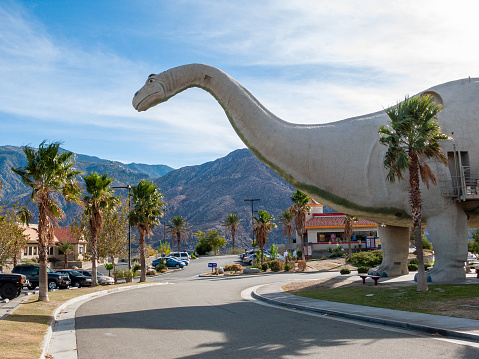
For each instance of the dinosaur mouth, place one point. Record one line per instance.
(146, 102)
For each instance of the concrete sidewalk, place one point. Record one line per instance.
(460, 328)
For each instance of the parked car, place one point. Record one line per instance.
(245, 254)
(78, 280)
(249, 259)
(180, 255)
(11, 285)
(31, 271)
(170, 262)
(101, 278)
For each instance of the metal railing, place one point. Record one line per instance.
(463, 186)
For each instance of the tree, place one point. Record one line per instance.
(211, 241)
(348, 231)
(179, 227)
(164, 249)
(12, 237)
(262, 226)
(144, 215)
(66, 248)
(203, 246)
(232, 221)
(300, 209)
(286, 218)
(473, 246)
(48, 171)
(412, 137)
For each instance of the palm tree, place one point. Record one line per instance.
(232, 221)
(66, 248)
(262, 226)
(348, 230)
(179, 226)
(412, 136)
(48, 171)
(286, 218)
(148, 207)
(99, 199)
(300, 209)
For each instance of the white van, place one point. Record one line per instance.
(180, 255)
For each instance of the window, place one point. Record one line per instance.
(81, 249)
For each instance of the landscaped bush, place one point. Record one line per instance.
(276, 265)
(264, 266)
(151, 272)
(412, 267)
(428, 265)
(345, 271)
(161, 267)
(363, 269)
(136, 267)
(302, 265)
(287, 267)
(367, 259)
(233, 268)
(413, 261)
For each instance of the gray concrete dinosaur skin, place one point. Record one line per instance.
(340, 163)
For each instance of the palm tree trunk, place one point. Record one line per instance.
(233, 238)
(178, 238)
(94, 265)
(142, 254)
(42, 254)
(66, 260)
(415, 200)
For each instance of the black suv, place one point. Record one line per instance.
(55, 280)
(77, 278)
(11, 285)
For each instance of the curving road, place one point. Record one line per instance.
(195, 317)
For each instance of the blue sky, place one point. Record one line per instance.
(69, 69)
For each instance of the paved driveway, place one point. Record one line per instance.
(196, 317)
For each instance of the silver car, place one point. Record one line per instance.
(101, 278)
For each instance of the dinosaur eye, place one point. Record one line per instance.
(150, 81)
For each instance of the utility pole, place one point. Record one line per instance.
(252, 213)
(129, 229)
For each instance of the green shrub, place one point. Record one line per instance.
(161, 266)
(264, 267)
(413, 261)
(426, 244)
(299, 254)
(363, 269)
(276, 265)
(345, 271)
(136, 267)
(334, 255)
(367, 259)
(287, 267)
(428, 265)
(193, 256)
(412, 267)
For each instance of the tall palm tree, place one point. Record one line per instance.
(412, 137)
(232, 222)
(100, 198)
(300, 209)
(286, 218)
(144, 215)
(48, 171)
(66, 248)
(179, 227)
(348, 231)
(262, 226)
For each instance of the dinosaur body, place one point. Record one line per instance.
(340, 164)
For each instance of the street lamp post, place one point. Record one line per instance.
(252, 213)
(129, 229)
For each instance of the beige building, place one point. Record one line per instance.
(61, 234)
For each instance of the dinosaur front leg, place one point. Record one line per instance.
(395, 247)
(448, 231)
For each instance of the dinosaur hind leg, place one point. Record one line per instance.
(395, 247)
(448, 231)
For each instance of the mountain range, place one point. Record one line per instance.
(204, 194)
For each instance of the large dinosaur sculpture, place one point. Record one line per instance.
(340, 164)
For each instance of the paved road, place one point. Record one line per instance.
(196, 317)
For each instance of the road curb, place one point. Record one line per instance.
(393, 323)
(48, 336)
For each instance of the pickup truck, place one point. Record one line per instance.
(11, 285)
(55, 280)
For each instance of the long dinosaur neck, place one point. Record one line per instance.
(276, 142)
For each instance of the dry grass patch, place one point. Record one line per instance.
(22, 332)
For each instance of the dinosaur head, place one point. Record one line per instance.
(152, 93)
